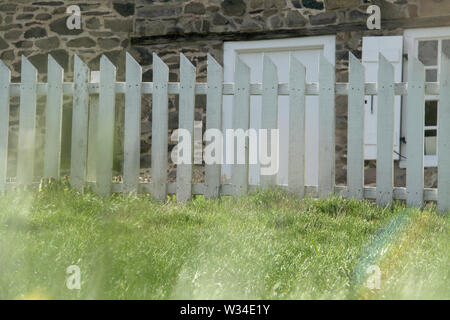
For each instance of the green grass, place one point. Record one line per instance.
(268, 245)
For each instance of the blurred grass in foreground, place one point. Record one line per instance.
(268, 245)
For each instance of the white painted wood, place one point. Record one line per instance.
(312, 88)
(241, 120)
(186, 115)
(391, 47)
(53, 119)
(105, 127)
(27, 123)
(326, 128)
(444, 137)
(385, 133)
(5, 80)
(80, 118)
(213, 121)
(92, 130)
(356, 110)
(160, 122)
(307, 51)
(132, 140)
(269, 115)
(414, 132)
(297, 116)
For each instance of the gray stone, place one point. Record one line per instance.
(39, 61)
(59, 26)
(84, 42)
(275, 22)
(108, 43)
(3, 44)
(25, 16)
(219, 20)
(312, 4)
(43, 16)
(156, 11)
(23, 44)
(296, 4)
(323, 18)
(195, 8)
(341, 4)
(93, 23)
(61, 57)
(234, 7)
(8, 7)
(124, 9)
(49, 3)
(49, 43)
(7, 55)
(119, 25)
(295, 19)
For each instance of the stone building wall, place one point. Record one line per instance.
(198, 27)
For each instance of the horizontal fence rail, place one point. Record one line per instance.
(93, 127)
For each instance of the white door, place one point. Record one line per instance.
(391, 47)
(307, 51)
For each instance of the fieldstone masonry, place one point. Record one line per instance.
(194, 27)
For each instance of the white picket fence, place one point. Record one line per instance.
(415, 89)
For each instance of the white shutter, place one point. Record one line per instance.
(391, 47)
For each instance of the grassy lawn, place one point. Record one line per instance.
(265, 246)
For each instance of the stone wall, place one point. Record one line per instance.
(36, 28)
(197, 27)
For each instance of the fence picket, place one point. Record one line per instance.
(53, 119)
(80, 118)
(385, 133)
(326, 128)
(27, 123)
(355, 153)
(296, 161)
(214, 121)
(105, 127)
(132, 130)
(269, 115)
(92, 131)
(241, 120)
(414, 132)
(5, 80)
(186, 115)
(160, 123)
(444, 137)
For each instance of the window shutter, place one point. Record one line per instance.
(390, 47)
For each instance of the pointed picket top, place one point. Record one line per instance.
(355, 65)
(241, 67)
(4, 67)
(269, 68)
(133, 68)
(212, 62)
(53, 65)
(416, 70)
(159, 64)
(79, 64)
(296, 67)
(186, 64)
(105, 64)
(386, 68)
(325, 66)
(28, 70)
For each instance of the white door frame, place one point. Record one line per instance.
(232, 48)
